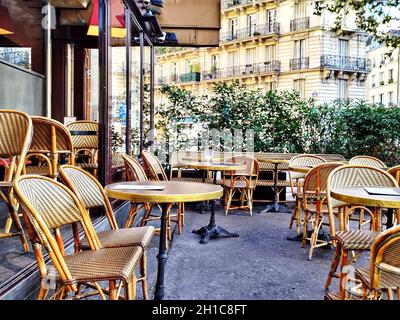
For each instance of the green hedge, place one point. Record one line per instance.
(283, 122)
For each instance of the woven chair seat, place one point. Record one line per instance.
(38, 170)
(239, 184)
(270, 183)
(356, 239)
(103, 264)
(88, 166)
(387, 279)
(140, 236)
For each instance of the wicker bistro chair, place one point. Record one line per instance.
(296, 180)
(51, 142)
(244, 181)
(383, 274)
(85, 141)
(395, 172)
(15, 139)
(354, 240)
(91, 194)
(315, 207)
(157, 173)
(48, 205)
(135, 172)
(367, 161)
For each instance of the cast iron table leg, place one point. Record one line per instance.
(212, 231)
(275, 206)
(162, 255)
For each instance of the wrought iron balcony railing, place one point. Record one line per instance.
(346, 63)
(256, 31)
(299, 63)
(189, 77)
(226, 4)
(300, 24)
(243, 70)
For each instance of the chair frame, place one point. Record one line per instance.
(380, 162)
(246, 193)
(11, 172)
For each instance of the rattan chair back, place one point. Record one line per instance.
(357, 176)
(367, 161)
(134, 171)
(85, 138)
(15, 140)
(384, 258)
(88, 190)
(49, 205)
(251, 165)
(51, 139)
(155, 167)
(304, 160)
(395, 172)
(317, 178)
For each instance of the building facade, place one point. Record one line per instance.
(269, 45)
(383, 84)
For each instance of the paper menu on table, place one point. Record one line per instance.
(382, 191)
(138, 187)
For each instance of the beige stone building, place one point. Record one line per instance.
(271, 44)
(383, 84)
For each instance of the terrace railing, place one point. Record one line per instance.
(299, 24)
(190, 77)
(226, 4)
(245, 33)
(299, 63)
(346, 63)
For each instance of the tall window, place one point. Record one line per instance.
(300, 86)
(270, 53)
(251, 24)
(343, 47)
(233, 58)
(300, 48)
(215, 61)
(233, 28)
(250, 56)
(300, 9)
(381, 99)
(390, 98)
(390, 76)
(342, 89)
(271, 19)
(174, 71)
(373, 81)
(381, 78)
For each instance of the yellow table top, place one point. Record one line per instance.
(301, 169)
(358, 196)
(175, 191)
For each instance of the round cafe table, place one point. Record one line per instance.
(212, 230)
(359, 196)
(173, 192)
(301, 169)
(275, 206)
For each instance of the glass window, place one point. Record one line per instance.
(300, 87)
(342, 89)
(390, 98)
(300, 48)
(343, 47)
(250, 56)
(271, 20)
(233, 28)
(381, 99)
(270, 53)
(381, 78)
(251, 24)
(300, 9)
(390, 76)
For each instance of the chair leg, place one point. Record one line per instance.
(42, 293)
(334, 266)
(130, 289)
(179, 218)
(131, 216)
(305, 229)
(113, 290)
(314, 236)
(228, 205)
(294, 215)
(343, 276)
(17, 222)
(143, 273)
(250, 201)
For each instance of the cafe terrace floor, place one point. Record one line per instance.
(260, 264)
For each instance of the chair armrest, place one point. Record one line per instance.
(388, 268)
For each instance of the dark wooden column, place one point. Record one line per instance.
(128, 39)
(104, 159)
(59, 64)
(79, 82)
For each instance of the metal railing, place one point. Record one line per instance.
(190, 77)
(243, 70)
(299, 24)
(346, 63)
(299, 63)
(256, 31)
(226, 4)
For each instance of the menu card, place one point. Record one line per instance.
(138, 187)
(382, 191)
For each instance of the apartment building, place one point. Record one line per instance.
(271, 44)
(383, 84)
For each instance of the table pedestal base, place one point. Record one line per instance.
(212, 232)
(276, 207)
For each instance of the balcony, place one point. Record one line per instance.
(300, 24)
(247, 33)
(346, 63)
(299, 63)
(254, 69)
(227, 4)
(190, 77)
